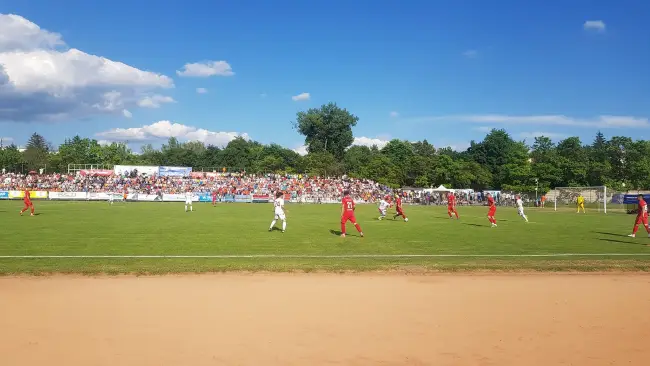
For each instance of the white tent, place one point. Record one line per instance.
(442, 188)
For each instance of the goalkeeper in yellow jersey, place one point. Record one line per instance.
(580, 202)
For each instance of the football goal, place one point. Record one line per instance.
(595, 198)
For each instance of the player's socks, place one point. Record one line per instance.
(456, 215)
(272, 225)
(191, 208)
(185, 208)
(358, 227)
(284, 226)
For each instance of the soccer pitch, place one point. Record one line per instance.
(94, 237)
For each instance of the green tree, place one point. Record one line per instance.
(37, 153)
(572, 161)
(326, 129)
(10, 158)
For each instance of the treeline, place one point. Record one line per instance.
(498, 161)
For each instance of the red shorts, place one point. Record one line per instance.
(642, 219)
(400, 211)
(28, 203)
(450, 208)
(348, 217)
(492, 211)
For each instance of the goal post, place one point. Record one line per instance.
(595, 198)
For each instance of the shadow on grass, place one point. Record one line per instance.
(338, 233)
(611, 234)
(622, 242)
(275, 228)
(476, 225)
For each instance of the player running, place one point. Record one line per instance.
(580, 202)
(347, 213)
(188, 199)
(492, 210)
(214, 198)
(399, 209)
(383, 206)
(278, 210)
(451, 205)
(28, 204)
(520, 208)
(641, 217)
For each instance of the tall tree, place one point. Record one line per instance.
(326, 129)
(37, 152)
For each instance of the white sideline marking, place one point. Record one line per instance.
(307, 256)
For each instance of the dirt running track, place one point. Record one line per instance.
(318, 319)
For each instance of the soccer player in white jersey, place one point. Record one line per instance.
(111, 198)
(383, 206)
(520, 208)
(188, 200)
(278, 210)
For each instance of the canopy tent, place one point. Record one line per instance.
(441, 188)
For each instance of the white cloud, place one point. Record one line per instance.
(596, 25)
(301, 96)
(367, 141)
(603, 121)
(6, 140)
(126, 113)
(42, 79)
(532, 135)
(302, 150)
(394, 114)
(206, 69)
(155, 101)
(484, 129)
(104, 142)
(470, 53)
(163, 130)
(201, 90)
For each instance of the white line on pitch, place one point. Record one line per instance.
(307, 256)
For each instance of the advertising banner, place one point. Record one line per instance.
(148, 197)
(68, 195)
(178, 198)
(96, 172)
(127, 169)
(174, 171)
(4, 195)
(243, 198)
(32, 194)
(228, 198)
(100, 196)
(260, 198)
(205, 197)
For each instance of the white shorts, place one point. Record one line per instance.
(520, 211)
(188, 201)
(382, 212)
(280, 216)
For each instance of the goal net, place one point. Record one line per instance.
(595, 198)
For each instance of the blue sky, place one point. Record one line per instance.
(440, 70)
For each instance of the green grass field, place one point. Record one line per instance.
(429, 241)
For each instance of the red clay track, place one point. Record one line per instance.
(318, 319)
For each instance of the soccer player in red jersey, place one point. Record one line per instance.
(641, 217)
(399, 209)
(214, 197)
(28, 204)
(451, 205)
(492, 210)
(347, 213)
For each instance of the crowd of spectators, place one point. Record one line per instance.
(316, 188)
